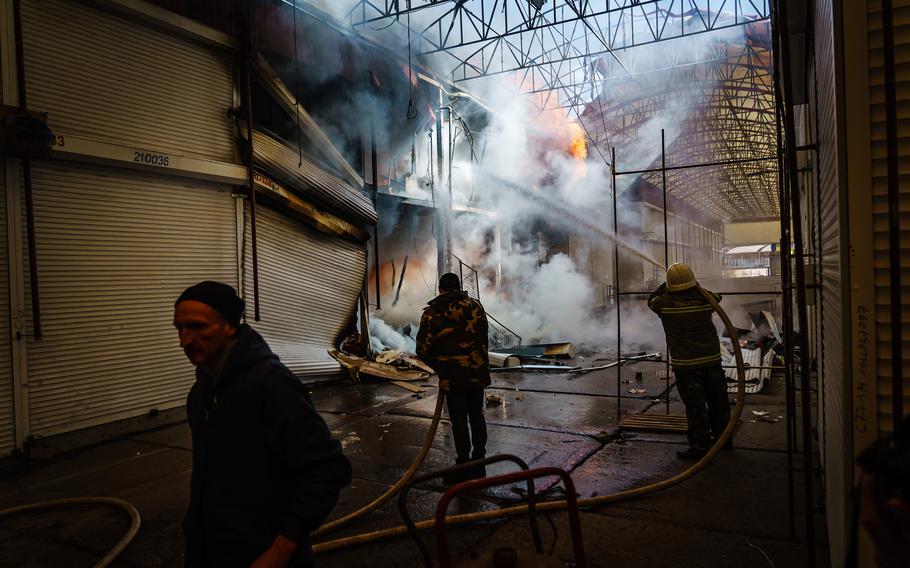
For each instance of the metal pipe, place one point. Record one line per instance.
(894, 235)
(616, 284)
(759, 293)
(786, 288)
(27, 177)
(248, 99)
(451, 154)
(663, 182)
(441, 252)
(404, 270)
(805, 371)
(374, 172)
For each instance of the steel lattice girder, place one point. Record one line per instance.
(728, 104)
(488, 37)
(581, 54)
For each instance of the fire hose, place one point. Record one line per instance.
(393, 490)
(113, 553)
(135, 521)
(363, 538)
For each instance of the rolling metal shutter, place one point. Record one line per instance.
(833, 350)
(100, 76)
(884, 311)
(114, 251)
(312, 180)
(308, 287)
(7, 417)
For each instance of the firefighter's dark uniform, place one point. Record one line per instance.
(695, 356)
(453, 340)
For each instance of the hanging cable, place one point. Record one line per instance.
(297, 90)
(411, 107)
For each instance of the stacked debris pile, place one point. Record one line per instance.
(762, 347)
(396, 366)
(541, 357)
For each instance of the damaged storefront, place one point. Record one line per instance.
(145, 193)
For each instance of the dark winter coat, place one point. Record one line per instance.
(453, 339)
(691, 335)
(264, 462)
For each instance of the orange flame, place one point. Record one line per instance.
(577, 146)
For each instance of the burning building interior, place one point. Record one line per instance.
(612, 186)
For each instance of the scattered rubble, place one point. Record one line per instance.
(760, 346)
(543, 350)
(499, 360)
(396, 366)
(622, 362)
(494, 399)
(351, 438)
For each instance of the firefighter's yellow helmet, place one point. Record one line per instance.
(680, 277)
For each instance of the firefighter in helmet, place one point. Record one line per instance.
(695, 356)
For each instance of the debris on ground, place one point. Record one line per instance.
(637, 391)
(407, 386)
(761, 346)
(403, 360)
(351, 438)
(499, 360)
(623, 361)
(553, 366)
(402, 367)
(494, 399)
(544, 350)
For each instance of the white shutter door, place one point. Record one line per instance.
(114, 251)
(884, 310)
(101, 76)
(308, 288)
(834, 321)
(7, 418)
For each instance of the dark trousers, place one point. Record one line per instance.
(465, 406)
(704, 392)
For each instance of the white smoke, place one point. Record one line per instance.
(383, 336)
(549, 297)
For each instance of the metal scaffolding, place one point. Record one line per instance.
(620, 67)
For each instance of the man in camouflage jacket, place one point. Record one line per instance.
(453, 340)
(695, 356)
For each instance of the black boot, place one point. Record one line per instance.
(477, 472)
(452, 477)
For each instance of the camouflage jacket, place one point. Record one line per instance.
(453, 340)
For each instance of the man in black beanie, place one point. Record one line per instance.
(453, 340)
(266, 471)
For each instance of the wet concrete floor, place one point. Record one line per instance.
(733, 513)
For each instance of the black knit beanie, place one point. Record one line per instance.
(220, 297)
(449, 282)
